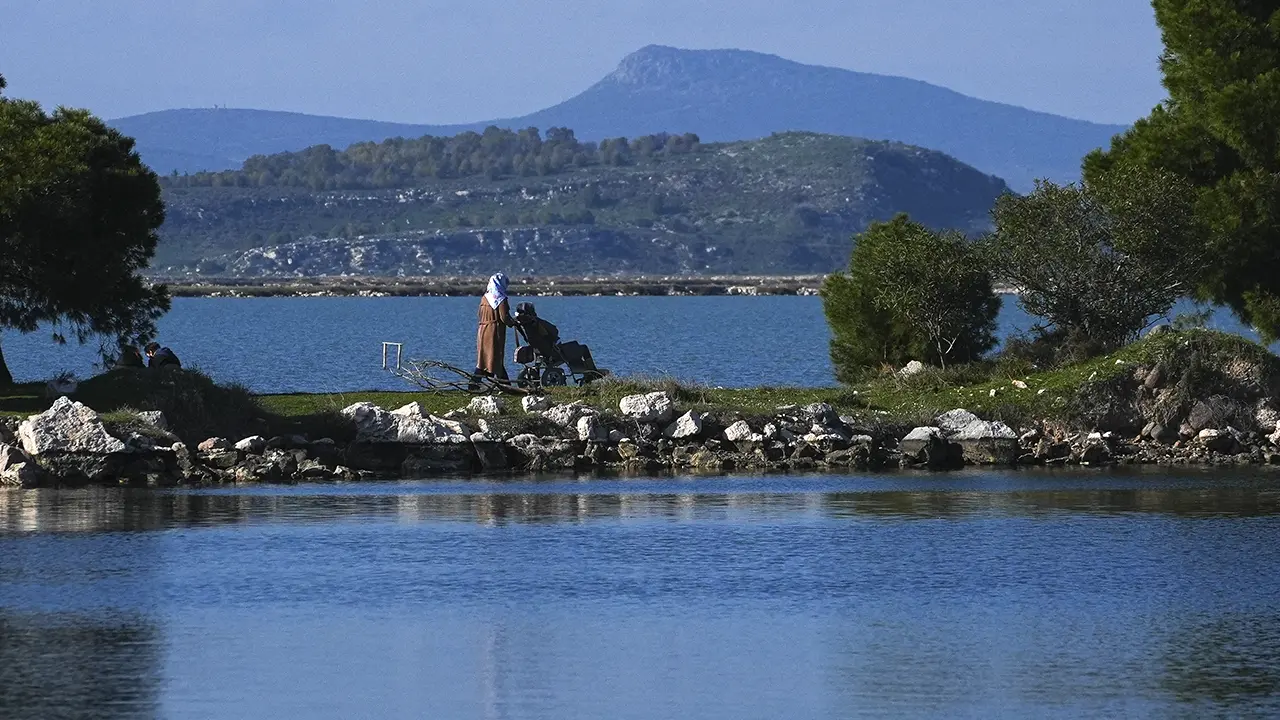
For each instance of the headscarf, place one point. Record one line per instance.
(497, 291)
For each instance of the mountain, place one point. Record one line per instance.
(786, 204)
(721, 95)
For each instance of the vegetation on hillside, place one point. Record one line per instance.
(784, 204)
(399, 162)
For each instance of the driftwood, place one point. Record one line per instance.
(440, 377)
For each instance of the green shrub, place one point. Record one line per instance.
(1098, 261)
(910, 294)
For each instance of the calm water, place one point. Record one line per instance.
(811, 597)
(335, 344)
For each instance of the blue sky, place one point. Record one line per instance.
(440, 61)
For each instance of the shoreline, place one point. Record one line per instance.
(526, 286)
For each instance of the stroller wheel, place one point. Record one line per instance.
(528, 378)
(553, 377)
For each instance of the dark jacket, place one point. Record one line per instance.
(164, 357)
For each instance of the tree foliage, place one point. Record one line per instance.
(1219, 130)
(400, 162)
(78, 219)
(910, 293)
(1098, 261)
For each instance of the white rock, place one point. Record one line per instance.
(984, 430)
(738, 432)
(568, 415)
(1042, 391)
(154, 418)
(993, 392)
(771, 431)
(924, 434)
(253, 445)
(915, 367)
(954, 421)
(486, 405)
(1274, 438)
(590, 429)
(686, 426)
(1267, 417)
(373, 424)
(1019, 384)
(1210, 434)
(652, 407)
(67, 426)
(535, 403)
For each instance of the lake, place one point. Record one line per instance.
(967, 595)
(335, 344)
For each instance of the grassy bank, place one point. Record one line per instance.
(1199, 363)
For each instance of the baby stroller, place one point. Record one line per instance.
(545, 358)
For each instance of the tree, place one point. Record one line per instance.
(78, 219)
(1219, 130)
(910, 293)
(1099, 260)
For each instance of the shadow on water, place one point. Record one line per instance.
(90, 667)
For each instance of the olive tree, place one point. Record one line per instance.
(910, 293)
(1097, 261)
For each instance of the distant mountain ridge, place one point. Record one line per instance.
(722, 95)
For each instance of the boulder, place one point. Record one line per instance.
(221, 459)
(215, 444)
(67, 427)
(492, 456)
(567, 416)
(590, 429)
(988, 443)
(373, 424)
(535, 403)
(21, 474)
(154, 418)
(648, 408)
(486, 405)
(915, 367)
(253, 445)
(16, 470)
(407, 425)
(953, 421)
(822, 413)
(1219, 441)
(686, 426)
(739, 432)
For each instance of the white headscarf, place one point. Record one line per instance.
(497, 291)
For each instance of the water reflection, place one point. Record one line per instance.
(560, 500)
(78, 666)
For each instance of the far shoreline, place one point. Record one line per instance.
(528, 286)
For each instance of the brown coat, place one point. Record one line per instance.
(491, 338)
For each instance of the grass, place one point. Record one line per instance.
(198, 408)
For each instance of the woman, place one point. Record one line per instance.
(491, 338)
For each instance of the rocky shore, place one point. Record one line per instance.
(69, 444)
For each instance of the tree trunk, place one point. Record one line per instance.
(6, 378)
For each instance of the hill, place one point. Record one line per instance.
(785, 204)
(721, 95)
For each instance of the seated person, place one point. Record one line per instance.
(129, 357)
(158, 357)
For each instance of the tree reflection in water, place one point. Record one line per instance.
(90, 667)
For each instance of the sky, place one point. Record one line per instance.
(452, 61)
